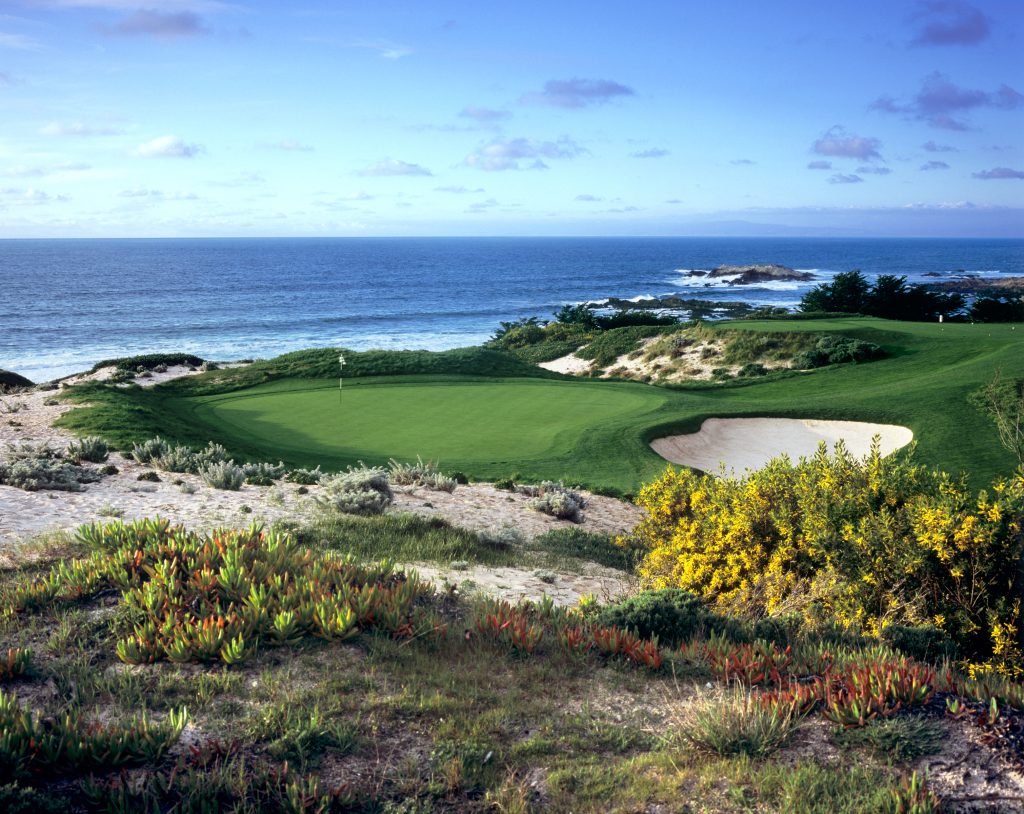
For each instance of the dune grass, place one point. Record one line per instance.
(527, 421)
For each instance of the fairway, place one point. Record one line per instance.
(470, 423)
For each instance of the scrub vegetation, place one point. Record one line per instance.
(146, 667)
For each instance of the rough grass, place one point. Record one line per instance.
(610, 345)
(571, 430)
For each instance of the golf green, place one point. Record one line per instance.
(465, 423)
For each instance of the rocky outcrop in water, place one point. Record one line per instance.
(976, 285)
(760, 273)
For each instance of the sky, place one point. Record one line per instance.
(123, 118)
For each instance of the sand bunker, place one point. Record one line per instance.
(749, 443)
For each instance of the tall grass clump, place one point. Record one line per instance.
(733, 722)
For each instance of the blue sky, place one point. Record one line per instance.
(196, 118)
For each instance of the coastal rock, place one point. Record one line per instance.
(760, 273)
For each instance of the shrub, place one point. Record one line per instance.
(505, 484)
(177, 459)
(556, 500)
(459, 477)
(28, 451)
(212, 453)
(263, 474)
(223, 475)
(150, 476)
(421, 473)
(38, 474)
(752, 369)
(91, 448)
(150, 450)
(304, 477)
(922, 642)
(863, 543)
(359, 490)
(672, 615)
(500, 536)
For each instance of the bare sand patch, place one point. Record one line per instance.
(738, 444)
(570, 364)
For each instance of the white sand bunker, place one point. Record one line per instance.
(749, 443)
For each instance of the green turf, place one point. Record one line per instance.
(591, 432)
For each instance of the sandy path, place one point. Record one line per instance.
(749, 443)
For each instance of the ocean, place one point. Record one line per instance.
(66, 304)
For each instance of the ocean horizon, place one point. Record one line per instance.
(68, 303)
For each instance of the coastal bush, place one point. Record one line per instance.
(752, 369)
(304, 477)
(263, 474)
(91, 448)
(361, 490)
(10, 381)
(500, 536)
(555, 499)
(212, 453)
(610, 345)
(150, 450)
(178, 458)
(671, 615)
(223, 475)
(47, 473)
(1003, 402)
(834, 350)
(422, 473)
(864, 543)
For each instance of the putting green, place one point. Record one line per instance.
(467, 423)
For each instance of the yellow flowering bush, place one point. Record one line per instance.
(865, 543)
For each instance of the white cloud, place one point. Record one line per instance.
(506, 155)
(168, 147)
(392, 166)
(78, 129)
